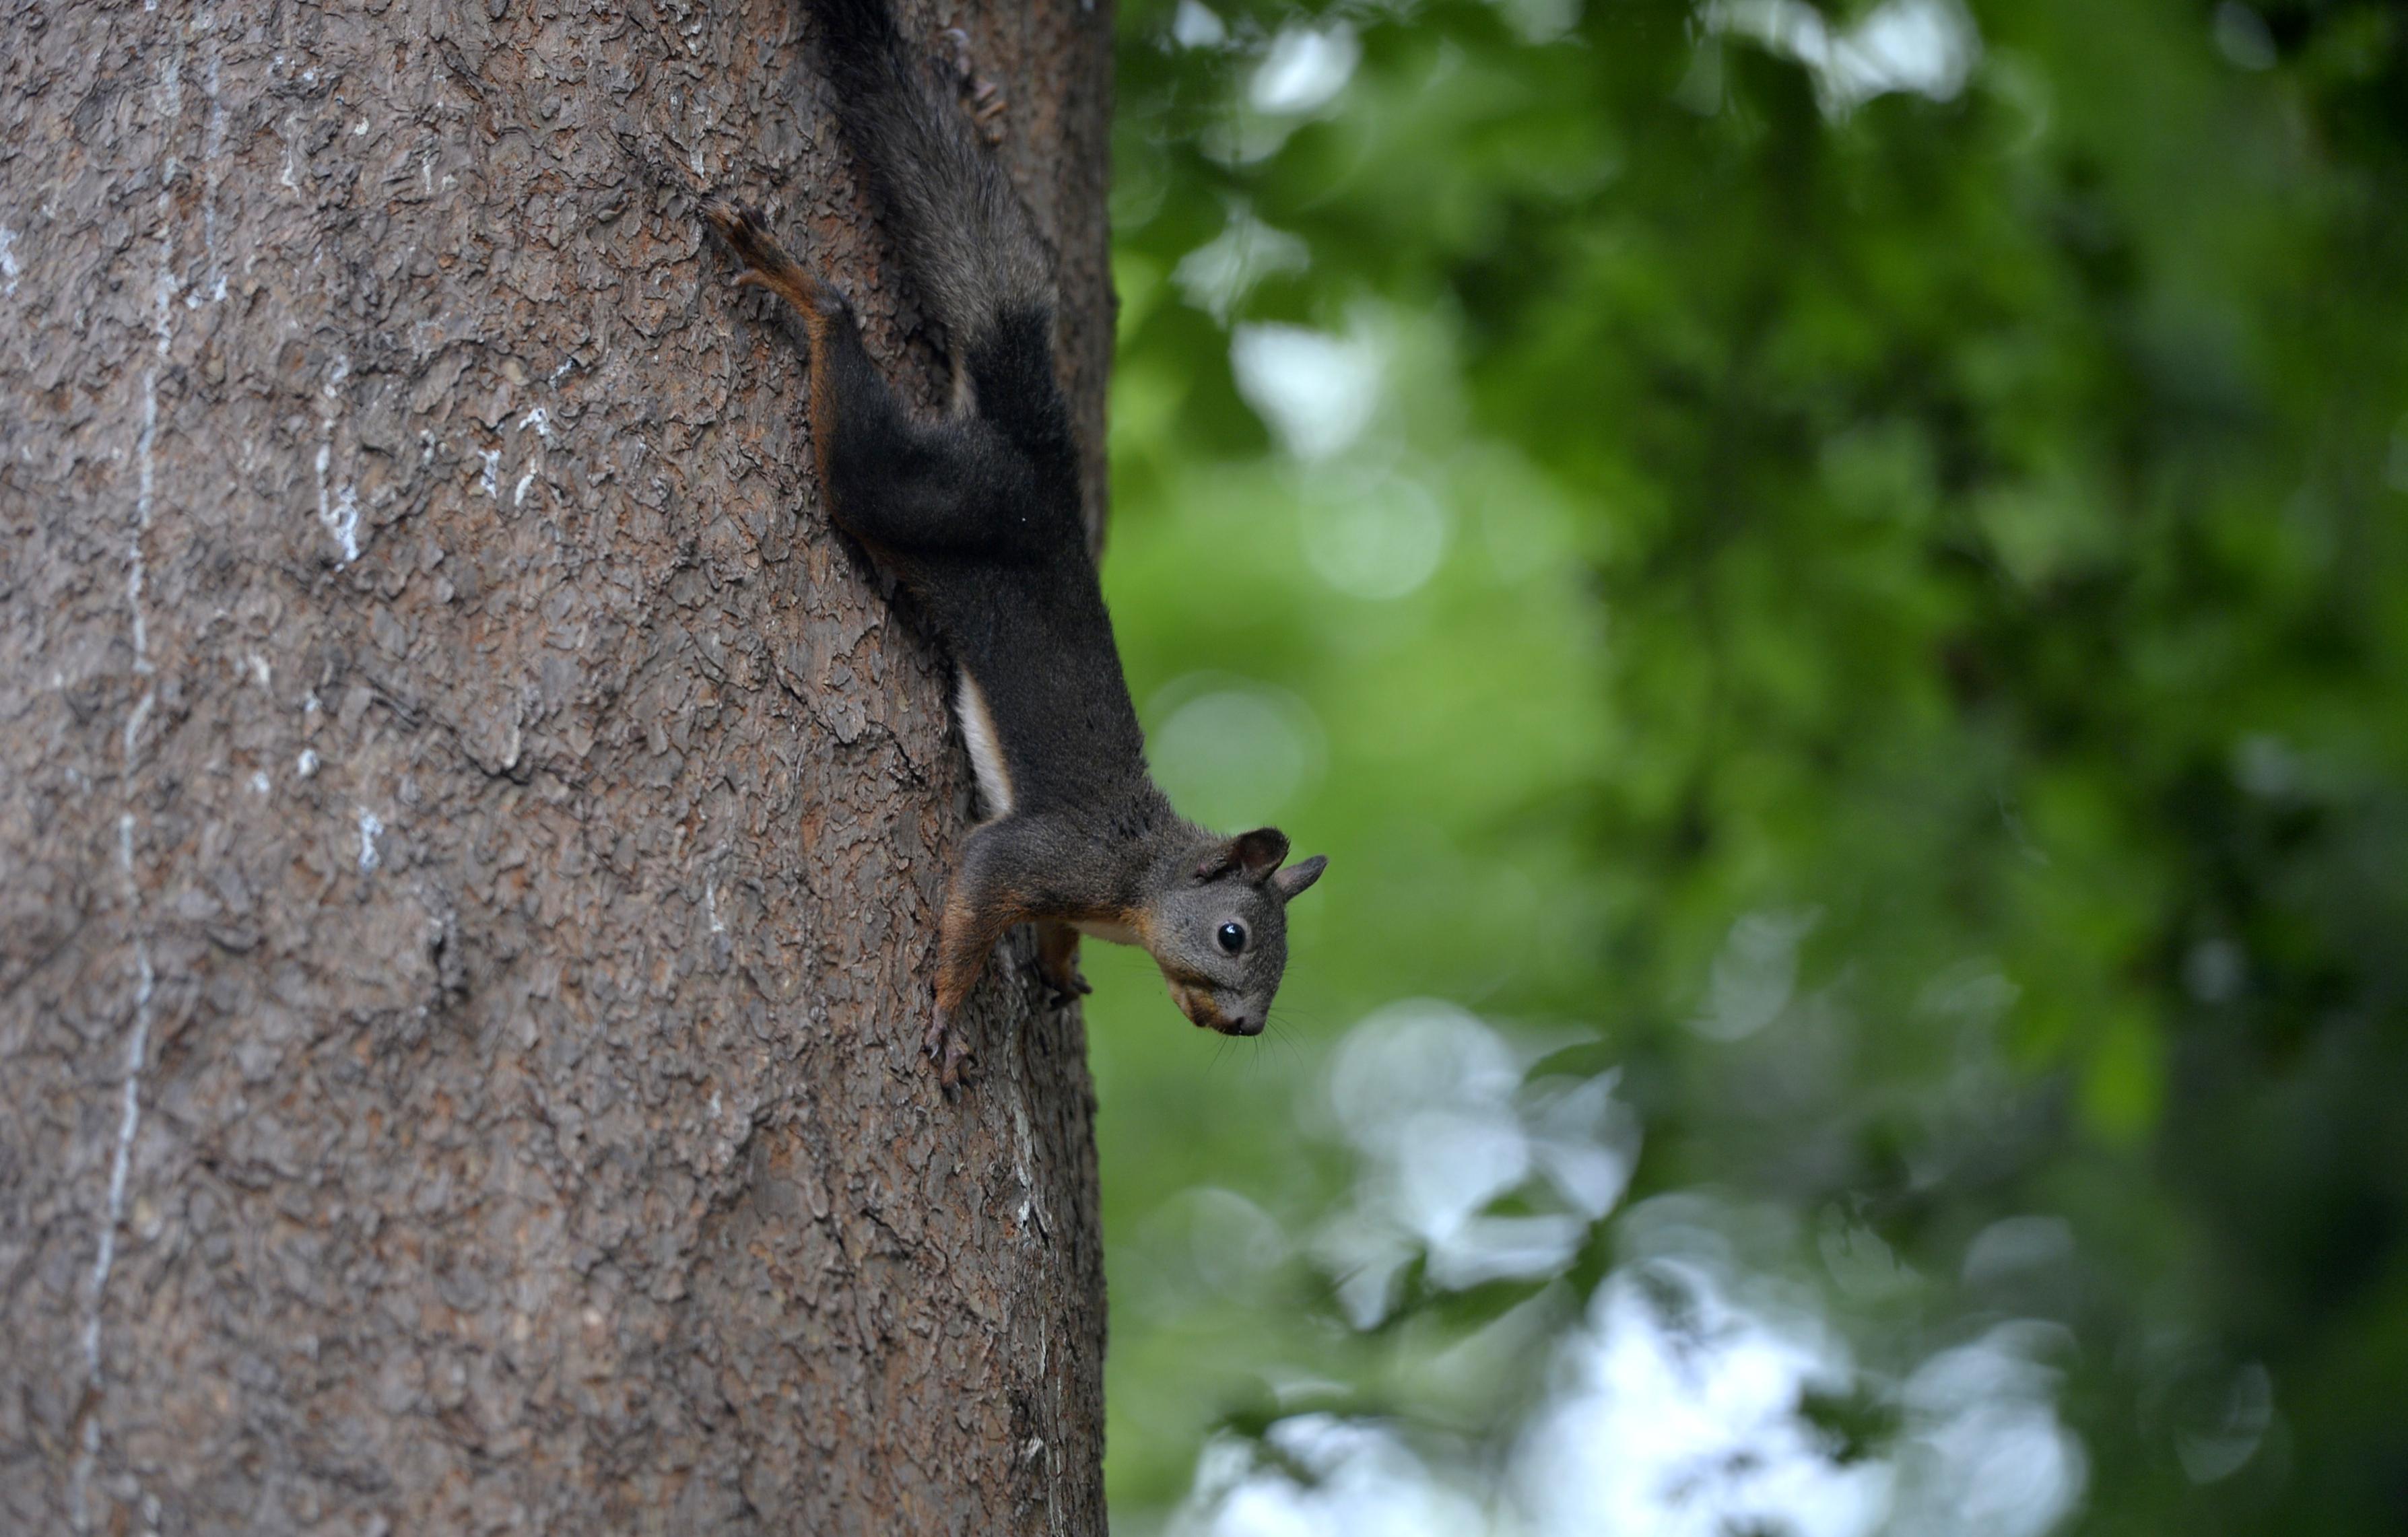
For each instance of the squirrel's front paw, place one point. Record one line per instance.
(1065, 988)
(944, 1049)
(1057, 965)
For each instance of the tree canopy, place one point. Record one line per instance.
(1831, 579)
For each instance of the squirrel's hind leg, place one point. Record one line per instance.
(846, 394)
(903, 487)
(767, 264)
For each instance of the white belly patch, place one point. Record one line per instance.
(986, 748)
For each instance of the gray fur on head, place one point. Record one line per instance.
(1221, 936)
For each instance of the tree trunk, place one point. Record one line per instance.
(471, 835)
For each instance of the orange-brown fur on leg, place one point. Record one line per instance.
(979, 910)
(766, 264)
(768, 267)
(962, 947)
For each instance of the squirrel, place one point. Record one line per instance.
(976, 515)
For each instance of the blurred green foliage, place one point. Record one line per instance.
(1947, 543)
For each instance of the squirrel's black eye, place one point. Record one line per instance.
(1230, 937)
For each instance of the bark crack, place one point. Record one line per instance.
(169, 100)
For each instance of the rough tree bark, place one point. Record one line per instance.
(471, 836)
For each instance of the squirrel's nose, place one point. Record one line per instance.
(1241, 1025)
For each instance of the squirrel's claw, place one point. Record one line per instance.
(767, 264)
(987, 107)
(1063, 991)
(946, 1050)
(1057, 965)
(957, 53)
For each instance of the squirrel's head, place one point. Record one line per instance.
(1219, 931)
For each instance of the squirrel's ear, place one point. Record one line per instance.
(1255, 854)
(1292, 881)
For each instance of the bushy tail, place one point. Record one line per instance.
(965, 236)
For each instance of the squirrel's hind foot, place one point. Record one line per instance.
(767, 264)
(982, 96)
